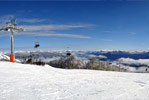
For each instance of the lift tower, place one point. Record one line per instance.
(12, 27)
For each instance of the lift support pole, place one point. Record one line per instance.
(12, 47)
(11, 26)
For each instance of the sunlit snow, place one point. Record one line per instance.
(31, 82)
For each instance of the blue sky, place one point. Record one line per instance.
(80, 25)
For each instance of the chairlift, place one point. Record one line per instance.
(36, 43)
(68, 52)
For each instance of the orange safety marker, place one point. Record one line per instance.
(11, 58)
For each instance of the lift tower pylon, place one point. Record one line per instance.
(12, 27)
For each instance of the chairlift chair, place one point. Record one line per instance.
(68, 54)
(36, 45)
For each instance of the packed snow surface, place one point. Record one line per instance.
(30, 82)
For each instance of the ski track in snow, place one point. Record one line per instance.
(30, 82)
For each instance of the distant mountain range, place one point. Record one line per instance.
(102, 54)
(125, 58)
(114, 55)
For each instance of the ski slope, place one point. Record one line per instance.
(30, 82)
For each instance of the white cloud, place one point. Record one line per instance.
(92, 56)
(97, 56)
(53, 34)
(142, 62)
(52, 27)
(102, 57)
(31, 20)
(133, 61)
(43, 30)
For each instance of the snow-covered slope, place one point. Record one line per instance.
(30, 82)
(4, 57)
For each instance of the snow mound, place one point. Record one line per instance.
(4, 57)
(30, 82)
